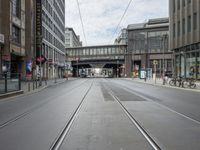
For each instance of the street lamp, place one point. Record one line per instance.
(164, 39)
(77, 67)
(117, 67)
(1, 50)
(40, 51)
(164, 43)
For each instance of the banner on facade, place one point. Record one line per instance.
(41, 59)
(29, 66)
(38, 26)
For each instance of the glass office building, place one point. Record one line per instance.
(187, 61)
(149, 42)
(50, 38)
(185, 37)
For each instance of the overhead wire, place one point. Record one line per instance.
(116, 29)
(81, 21)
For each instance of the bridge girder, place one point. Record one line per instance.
(97, 63)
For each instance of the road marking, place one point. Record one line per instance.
(166, 86)
(146, 98)
(36, 107)
(10, 99)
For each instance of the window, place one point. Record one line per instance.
(195, 21)
(183, 2)
(179, 28)
(178, 4)
(174, 6)
(174, 30)
(189, 23)
(16, 8)
(16, 34)
(183, 26)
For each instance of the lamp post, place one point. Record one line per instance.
(1, 53)
(1, 50)
(117, 67)
(40, 51)
(77, 67)
(164, 49)
(164, 39)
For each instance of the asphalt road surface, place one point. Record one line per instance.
(101, 114)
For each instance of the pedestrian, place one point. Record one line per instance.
(145, 76)
(165, 78)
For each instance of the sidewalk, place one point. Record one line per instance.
(159, 82)
(30, 87)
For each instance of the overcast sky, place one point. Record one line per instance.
(101, 17)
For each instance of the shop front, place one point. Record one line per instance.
(187, 62)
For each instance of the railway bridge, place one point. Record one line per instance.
(105, 58)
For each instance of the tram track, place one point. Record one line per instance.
(143, 96)
(145, 134)
(40, 105)
(151, 139)
(63, 134)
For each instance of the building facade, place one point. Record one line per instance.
(122, 39)
(71, 39)
(50, 29)
(185, 37)
(13, 27)
(147, 43)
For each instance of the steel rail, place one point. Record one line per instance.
(22, 115)
(157, 103)
(149, 139)
(59, 140)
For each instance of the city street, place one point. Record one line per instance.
(101, 114)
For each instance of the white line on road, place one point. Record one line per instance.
(148, 99)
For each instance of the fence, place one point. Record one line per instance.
(10, 83)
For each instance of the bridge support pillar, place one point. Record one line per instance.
(128, 65)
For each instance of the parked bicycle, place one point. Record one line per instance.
(189, 83)
(177, 81)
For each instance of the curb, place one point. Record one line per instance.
(11, 94)
(167, 86)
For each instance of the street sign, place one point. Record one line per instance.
(2, 39)
(155, 62)
(41, 59)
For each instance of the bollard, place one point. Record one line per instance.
(164, 81)
(19, 82)
(33, 85)
(45, 81)
(29, 86)
(6, 86)
(36, 84)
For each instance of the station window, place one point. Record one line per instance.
(195, 21)
(189, 23)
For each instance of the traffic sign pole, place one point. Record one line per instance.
(155, 62)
